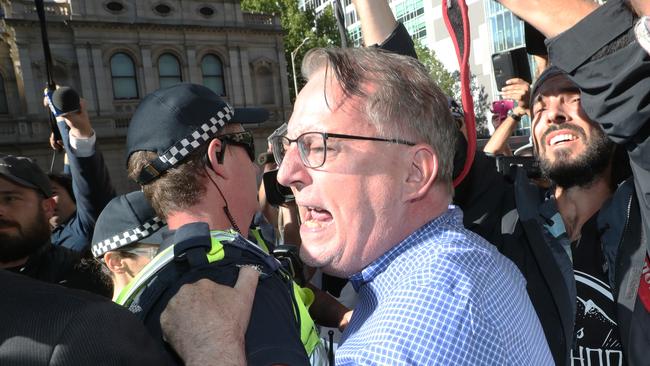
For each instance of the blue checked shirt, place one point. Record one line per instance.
(443, 296)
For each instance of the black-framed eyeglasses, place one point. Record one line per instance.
(312, 146)
(244, 139)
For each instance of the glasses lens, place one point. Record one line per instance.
(147, 252)
(312, 149)
(278, 147)
(243, 139)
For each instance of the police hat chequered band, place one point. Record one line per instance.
(185, 146)
(128, 237)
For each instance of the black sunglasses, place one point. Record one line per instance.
(244, 139)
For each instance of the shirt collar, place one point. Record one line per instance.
(380, 264)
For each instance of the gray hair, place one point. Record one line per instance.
(404, 102)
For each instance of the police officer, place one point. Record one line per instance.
(127, 236)
(195, 162)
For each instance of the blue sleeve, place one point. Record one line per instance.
(92, 190)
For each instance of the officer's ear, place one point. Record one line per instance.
(215, 157)
(115, 263)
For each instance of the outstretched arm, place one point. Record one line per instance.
(91, 182)
(377, 20)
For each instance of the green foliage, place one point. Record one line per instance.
(439, 74)
(297, 25)
(481, 103)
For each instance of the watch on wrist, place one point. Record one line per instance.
(513, 115)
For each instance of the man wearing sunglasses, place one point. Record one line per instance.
(195, 162)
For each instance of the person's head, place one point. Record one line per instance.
(573, 150)
(391, 171)
(186, 146)
(64, 198)
(26, 205)
(126, 238)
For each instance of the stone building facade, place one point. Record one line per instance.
(114, 52)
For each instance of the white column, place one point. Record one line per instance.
(249, 96)
(102, 79)
(86, 77)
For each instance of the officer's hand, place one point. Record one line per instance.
(206, 322)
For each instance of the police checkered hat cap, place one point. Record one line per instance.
(174, 121)
(126, 220)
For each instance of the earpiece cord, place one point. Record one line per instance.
(225, 208)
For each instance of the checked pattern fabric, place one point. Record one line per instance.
(128, 237)
(443, 296)
(185, 146)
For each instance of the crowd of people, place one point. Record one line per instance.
(504, 268)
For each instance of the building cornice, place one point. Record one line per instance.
(149, 27)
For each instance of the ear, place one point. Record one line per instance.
(49, 205)
(115, 262)
(215, 148)
(422, 172)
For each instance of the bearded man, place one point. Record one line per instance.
(573, 242)
(26, 206)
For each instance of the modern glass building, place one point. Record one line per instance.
(506, 33)
(409, 12)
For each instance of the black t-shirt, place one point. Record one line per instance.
(596, 333)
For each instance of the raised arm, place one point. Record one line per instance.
(517, 90)
(91, 182)
(379, 27)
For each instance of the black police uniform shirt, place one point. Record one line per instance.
(597, 339)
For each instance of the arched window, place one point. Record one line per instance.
(169, 70)
(212, 70)
(125, 85)
(4, 108)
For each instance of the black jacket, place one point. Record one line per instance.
(504, 210)
(508, 212)
(603, 57)
(59, 265)
(44, 324)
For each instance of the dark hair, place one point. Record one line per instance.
(65, 181)
(176, 189)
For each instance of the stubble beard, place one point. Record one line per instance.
(26, 240)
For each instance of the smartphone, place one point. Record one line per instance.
(511, 64)
(276, 193)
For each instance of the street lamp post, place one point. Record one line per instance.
(293, 65)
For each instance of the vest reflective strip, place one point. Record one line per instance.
(304, 296)
(308, 334)
(260, 241)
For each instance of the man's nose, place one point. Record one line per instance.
(292, 172)
(555, 112)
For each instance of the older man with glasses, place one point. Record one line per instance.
(368, 154)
